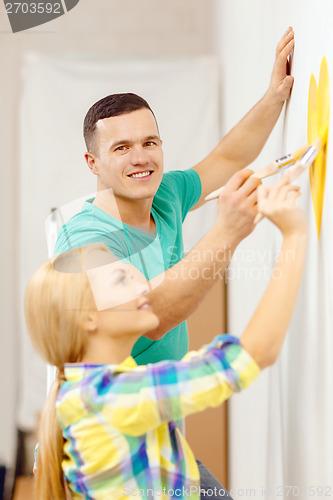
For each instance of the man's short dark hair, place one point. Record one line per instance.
(111, 105)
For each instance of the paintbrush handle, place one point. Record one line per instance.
(273, 167)
(258, 218)
(260, 174)
(266, 171)
(214, 194)
(270, 169)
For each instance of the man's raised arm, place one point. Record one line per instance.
(244, 142)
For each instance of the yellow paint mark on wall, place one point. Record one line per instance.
(318, 120)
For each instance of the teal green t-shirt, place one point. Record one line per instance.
(152, 254)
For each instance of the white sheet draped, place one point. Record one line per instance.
(57, 92)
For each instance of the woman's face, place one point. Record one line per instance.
(120, 289)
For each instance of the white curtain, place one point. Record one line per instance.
(57, 92)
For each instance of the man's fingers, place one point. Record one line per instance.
(288, 82)
(250, 185)
(237, 180)
(235, 183)
(286, 50)
(286, 38)
(253, 197)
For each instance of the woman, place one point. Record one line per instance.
(109, 427)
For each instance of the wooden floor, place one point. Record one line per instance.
(24, 489)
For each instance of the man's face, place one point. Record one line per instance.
(128, 155)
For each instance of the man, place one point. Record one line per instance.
(138, 212)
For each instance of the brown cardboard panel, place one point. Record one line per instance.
(206, 432)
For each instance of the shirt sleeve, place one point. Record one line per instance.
(187, 185)
(143, 398)
(116, 241)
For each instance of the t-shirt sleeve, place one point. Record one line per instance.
(186, 184)
(115, 241)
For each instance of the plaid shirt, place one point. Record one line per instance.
(120, 422)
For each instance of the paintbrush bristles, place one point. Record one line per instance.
(318, 143)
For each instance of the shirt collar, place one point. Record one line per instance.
(77, 371)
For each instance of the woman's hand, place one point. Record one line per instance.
(278, 204)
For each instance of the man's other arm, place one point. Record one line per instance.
(244, 142)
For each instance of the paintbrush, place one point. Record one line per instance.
(286, 161)
(305, 161)
(270, 169)
(309, 156)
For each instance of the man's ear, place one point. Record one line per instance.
(92, 162)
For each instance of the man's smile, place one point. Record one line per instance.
(140, 175)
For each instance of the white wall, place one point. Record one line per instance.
(279, 429)
(114, 27)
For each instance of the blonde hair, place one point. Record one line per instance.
(56, 304)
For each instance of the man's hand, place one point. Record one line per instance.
(281, 81)
(237, 206)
